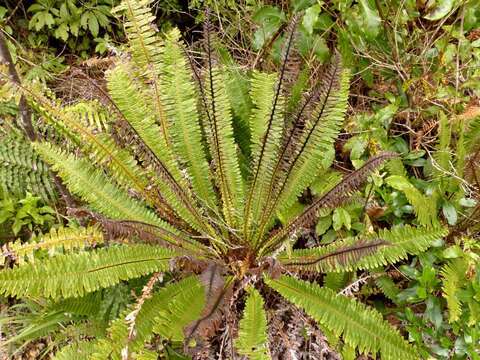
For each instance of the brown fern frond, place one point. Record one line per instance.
(139, 231)
(345, 255)
(336, 196)
(217, 293)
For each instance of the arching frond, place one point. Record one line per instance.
(395, 245)
(358, 325)
(93, 186)
(77, 274)
(155, 152)
(252, 334)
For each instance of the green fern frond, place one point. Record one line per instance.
(172, 319)
(222, 146)
(425, 207)
(57, 239)
(129, 99)
(147, 318)
(454, 276)
(91, 113)
(93, 186)
(142, 38)
(399, 243)
(335, 281)
(388, 287)
(357, 324)
(252, 334)
(22, 170)
(179, 97)
(77, 274)
(266, 124)
(316, 143)
(76, 351)
(100, 147)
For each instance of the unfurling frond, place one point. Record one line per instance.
(252, 335)
(454, 276)
(358, 325)
(77, 274)
(395, 245)
(55, 240)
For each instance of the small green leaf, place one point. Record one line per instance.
(450, 213)
(323, 225)
(441, 9)
(310, 18)
(93, 25)
(341, 217)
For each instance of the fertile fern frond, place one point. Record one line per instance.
(219, 130)
(454, 276)
(338, 194)
(252, 334)
(309, 142)
(341, 256)
(358, 325)
(57, 239)
(77, 274)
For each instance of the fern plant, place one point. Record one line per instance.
(173, 191)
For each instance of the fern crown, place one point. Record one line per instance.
(197, 164)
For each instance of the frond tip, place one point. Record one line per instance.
(358, 325)
(252, 337)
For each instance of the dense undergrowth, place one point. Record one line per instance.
(414, 91)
